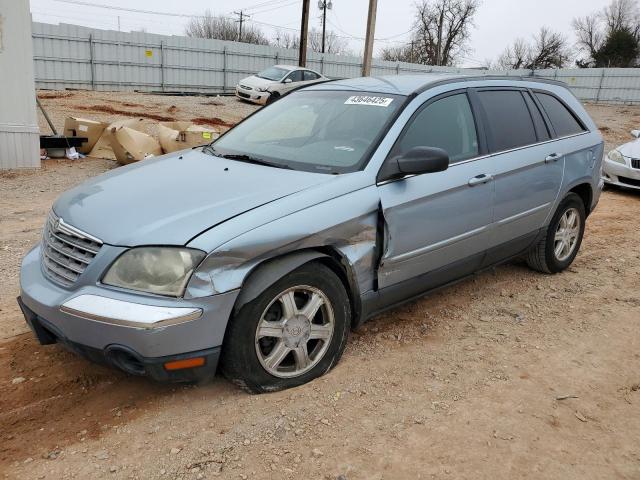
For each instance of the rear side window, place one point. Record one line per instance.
(308, 75)
(510, 123)
(446, 123)
(538, 121)
(563, 120)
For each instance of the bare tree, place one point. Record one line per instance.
(442, 30)
(588, 33)
(223, 28)
(333, 43)
(286, 40)
(401, 53)
(548, 50)
(515, 56)
(621, 15)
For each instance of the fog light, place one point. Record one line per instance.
(186, 363)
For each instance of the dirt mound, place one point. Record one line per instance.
(115, 111)
(54, 94)
(213, 121)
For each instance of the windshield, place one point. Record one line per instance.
(273, 73)
(317, 131)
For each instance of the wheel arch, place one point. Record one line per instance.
(585, 192)
(269, 271)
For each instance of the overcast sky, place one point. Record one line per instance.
(497, 24)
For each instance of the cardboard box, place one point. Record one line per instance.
(175, 136)
(102, 148)
(130, 145)
(83, 127)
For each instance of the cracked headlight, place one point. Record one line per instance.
(616, 156)
(159, 270)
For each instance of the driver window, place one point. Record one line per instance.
(446, 123)
(295, 76)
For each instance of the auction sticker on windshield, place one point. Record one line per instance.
(369, 100)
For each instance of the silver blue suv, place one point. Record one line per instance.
(261, 251)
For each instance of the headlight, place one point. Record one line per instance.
(261, 89)
(616, 156)
(159, 270)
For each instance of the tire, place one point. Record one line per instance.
(248, 356)
(543, 257)
(273, 97)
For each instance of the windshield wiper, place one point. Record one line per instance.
(254, 160)
(243, 158)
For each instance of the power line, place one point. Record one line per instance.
(275, 8)
(134, 10)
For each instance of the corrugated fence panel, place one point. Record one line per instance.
(71, 56)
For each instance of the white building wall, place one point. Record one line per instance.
(19, 134)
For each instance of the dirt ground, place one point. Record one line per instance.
(510, 374)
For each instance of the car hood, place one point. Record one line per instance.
(257, 82)
(631, 149)
(171, 199)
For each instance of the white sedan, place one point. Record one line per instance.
(621, 167)
(268, 85)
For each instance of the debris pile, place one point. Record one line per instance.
(127, 141)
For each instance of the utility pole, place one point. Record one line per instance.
(368, 43)
(304, 33)
(324, 5)
(118, 22)
(241, 16)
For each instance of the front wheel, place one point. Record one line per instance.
(563, 237)
(293, 332)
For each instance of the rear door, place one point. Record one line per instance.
(528, 168)
(438, 222)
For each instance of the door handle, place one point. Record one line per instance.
(480, 180)
(554, 157)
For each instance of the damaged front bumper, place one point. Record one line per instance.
(167, 339)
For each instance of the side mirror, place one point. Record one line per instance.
(416, 161)
(287, 80)
(635, 133)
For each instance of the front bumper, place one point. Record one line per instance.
(123, 357)
(41, 301)
(252, 96)
(614, 173)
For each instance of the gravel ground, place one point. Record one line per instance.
(510, 374)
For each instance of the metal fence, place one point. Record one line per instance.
(71, 56)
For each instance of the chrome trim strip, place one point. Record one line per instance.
(75, 232)
(127, 314)
(523, 214)
(444, 243)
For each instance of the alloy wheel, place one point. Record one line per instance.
(294, 331)
(567, 233)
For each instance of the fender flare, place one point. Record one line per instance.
(269, 272)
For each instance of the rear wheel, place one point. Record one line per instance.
(563, 237)
(293, 332)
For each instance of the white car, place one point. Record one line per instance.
(274, 82)
(621, 167)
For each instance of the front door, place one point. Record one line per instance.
(438, 222)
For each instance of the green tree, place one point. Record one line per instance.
(620, 49)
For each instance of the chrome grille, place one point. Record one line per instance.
(66, 251)
(635, 162)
